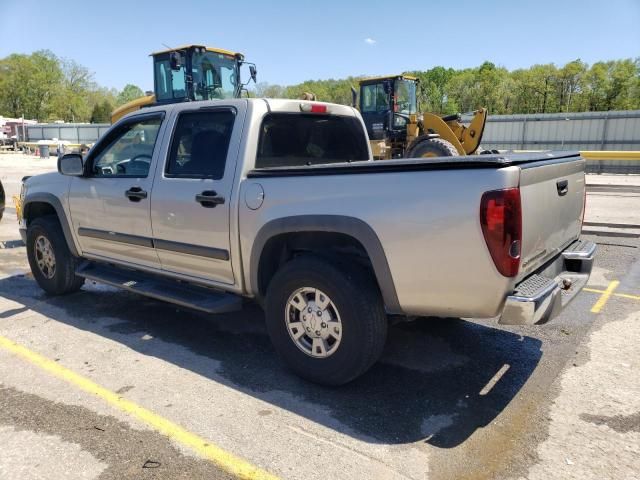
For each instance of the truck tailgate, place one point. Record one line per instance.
(552, 196)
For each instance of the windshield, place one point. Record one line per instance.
(214, 76)
(405, 93)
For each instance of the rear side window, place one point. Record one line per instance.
(291, 140)
(200, 145)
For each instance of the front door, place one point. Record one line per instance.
(110, 207)
(375, 108)
(191, 197)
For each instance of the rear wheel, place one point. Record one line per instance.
(327, 322)
(431, 147)
(52, 264)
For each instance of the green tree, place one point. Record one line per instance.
(70, 102)
(128, 93)
(569, 82)
(534, 89)
(101, 112)
(432, 93)
(28, 84)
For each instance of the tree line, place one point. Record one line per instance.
(44, 87)
(574, 87)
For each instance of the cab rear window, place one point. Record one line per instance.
(293, 139)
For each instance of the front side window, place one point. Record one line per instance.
(290, 140)
(200, 145)
(214, 76)
(128, 150)
(374, 99)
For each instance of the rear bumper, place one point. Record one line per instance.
(542, 295)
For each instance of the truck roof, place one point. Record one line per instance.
(281, 105)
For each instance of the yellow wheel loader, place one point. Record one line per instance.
(389, 108)
(190, 73)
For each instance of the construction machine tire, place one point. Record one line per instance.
(430, 147)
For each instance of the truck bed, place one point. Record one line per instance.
(429, 221)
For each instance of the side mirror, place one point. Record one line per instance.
(354, 97)
(175, 61)
(253, 71)
(71, 164)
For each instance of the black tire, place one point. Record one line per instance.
(2, 200)
(356, 297)
(63, 278)
(431, 147)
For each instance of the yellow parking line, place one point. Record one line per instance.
(621, 295)
(223, 459)
(604, 298)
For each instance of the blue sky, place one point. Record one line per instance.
(291, 42)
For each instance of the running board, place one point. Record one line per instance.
(173, 291)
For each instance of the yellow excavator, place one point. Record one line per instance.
(389, 109)
(190, 73)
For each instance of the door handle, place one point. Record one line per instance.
(135, 194)
(563, 187)
(209, 199)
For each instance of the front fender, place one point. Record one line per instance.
(50, 199)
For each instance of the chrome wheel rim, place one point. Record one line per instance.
(313, 322)
(45, 258)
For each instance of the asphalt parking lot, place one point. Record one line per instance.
(103, 384)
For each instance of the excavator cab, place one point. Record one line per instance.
(191, 73)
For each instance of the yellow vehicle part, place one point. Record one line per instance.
(386, 77)
(17, 203)
(434, 123)
(209, 49)
(380, 150)
(132, 106)
(465, 139)
(610, 155)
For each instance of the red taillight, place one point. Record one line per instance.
(313, 108)
(501, 220)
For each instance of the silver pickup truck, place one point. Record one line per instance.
(203, 204)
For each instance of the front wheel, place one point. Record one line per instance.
(327, 322)
(52, 264)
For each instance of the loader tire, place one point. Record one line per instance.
(431, 147)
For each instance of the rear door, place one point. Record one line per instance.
(110, 207)
(190, 204)
(552, 196)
